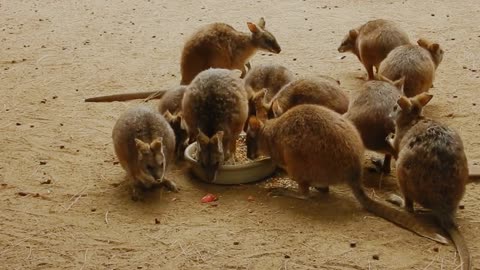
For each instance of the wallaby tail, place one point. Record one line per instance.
(451, 227)
(128, 96)
(402, 219)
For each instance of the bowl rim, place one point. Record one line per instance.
(252, 164)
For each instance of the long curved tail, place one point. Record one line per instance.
(128, 96)
(451, 227)
(402, 219)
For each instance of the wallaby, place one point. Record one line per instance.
(317, 91)
(370, 112)
(432, 169)
(170, 105)
(318, 147)
(268, 76)
(144, 144)
(372, 41)
(416, 63)
(219, 45)
(215, 108)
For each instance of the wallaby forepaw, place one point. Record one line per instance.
(396, 200)
(170, 185)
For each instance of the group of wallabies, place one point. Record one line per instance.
(308, 126)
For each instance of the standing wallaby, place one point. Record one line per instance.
(370, 112)
(268, 76)
(219, 45)
(432, 169)
(416, 63)
(372, 42)
(215, 108)
(319, 91)
(318, 147)
(144, 144)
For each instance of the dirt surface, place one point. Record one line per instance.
(64, 202)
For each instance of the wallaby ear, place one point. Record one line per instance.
(404, 103)
(399, 83)
(169, 116)
(253, 27)
(423, 43)
(217, 140)
(202, 139)
(156, 144)
(353, 34)
(261, 23)
(277, 109)
(142, 148)
(434, 47)
(423, 98)
(380, 77)
(236, 73)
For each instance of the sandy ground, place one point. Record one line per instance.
(63, 199)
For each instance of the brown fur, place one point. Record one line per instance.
(372, 42)
(140, 135)
(268, 76)
(215, 101)
(219, 45)
(370, 113)
(416, 62)
(310, 91)
(432, 168)
(318, 147)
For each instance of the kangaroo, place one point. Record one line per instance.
(309, 91)
(215, 108)
(432, 169)
(318, 147)
(416, 63)
(370, 113)
(144, 144)
(268, 76)
(219, 45)
(372, 41)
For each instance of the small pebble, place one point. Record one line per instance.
(474, 104)
(21, 193)
(464, 67)
(62, 146)
(353, 244)
(435, 249)
(54, 97)
(43, 162)
(455, 96)
(46, 182)
(376, 257)
(157, 221)
(461, 206)
(18, 124)
(116, 162)
(236, 243)
(32, 126)
(452, 39)
(433, 15)
(294, 59)
(286, 256)
(154, 36)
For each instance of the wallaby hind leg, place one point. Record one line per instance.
(302, 194)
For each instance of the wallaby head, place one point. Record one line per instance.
(262, 38)
(210, 153)
(434, 48)
(349, 41)
(254, 128)
(151, 157)
(408, 110)
(181, 134)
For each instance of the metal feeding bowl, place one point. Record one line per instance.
(247, 172)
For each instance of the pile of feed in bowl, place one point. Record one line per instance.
(240, 154)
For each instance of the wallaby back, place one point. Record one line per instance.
(172, 100)
(415, 63)
(310, 91)
(372, 42)
(268, 76)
